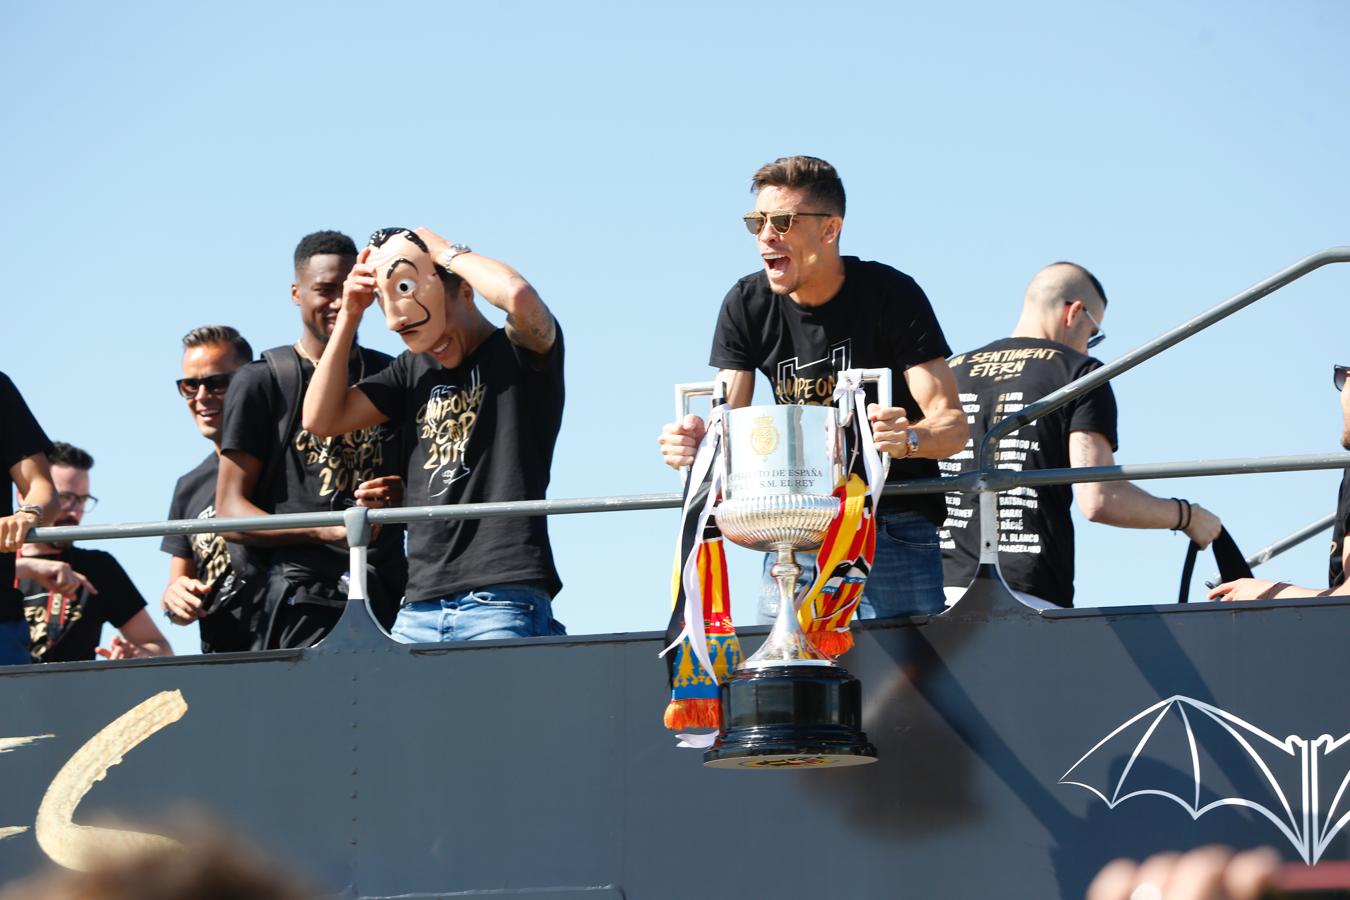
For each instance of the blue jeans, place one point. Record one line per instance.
(906, 576)
(14, 640)
(491, 613)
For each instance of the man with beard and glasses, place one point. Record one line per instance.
(811, 312)
(23, 458)
(484, 405)
(1337, 585)
(1062, 311)
(203, 587)
(269, 463)
(65, 623)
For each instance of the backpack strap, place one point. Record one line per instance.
(284, 364)
(1232, 564)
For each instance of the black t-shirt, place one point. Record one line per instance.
(194, 497)
(70, 630)
(481, 432)
(20, 437)
(880, 318)
(1336, 571)
(1035, 528)
(320, 473)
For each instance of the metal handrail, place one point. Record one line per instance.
(986, 480)
(1146, 351)
(1001, 480)
(1311, 530)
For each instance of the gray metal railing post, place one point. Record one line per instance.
(984, 458)
(357, 520)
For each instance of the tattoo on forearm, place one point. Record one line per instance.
(536, 333)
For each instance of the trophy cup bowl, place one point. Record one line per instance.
(788, 705)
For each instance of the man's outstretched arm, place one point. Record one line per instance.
(943, 430)
(1126, 505)
(239, 473)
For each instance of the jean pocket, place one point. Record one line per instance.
(911, 537)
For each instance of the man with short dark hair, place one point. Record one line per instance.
(66, 626)
(23, 459)
(485, 405)
(810, 313)
(203, 586)
(269, 463)
(1062, 312)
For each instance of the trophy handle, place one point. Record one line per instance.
(882, 379)
(688, 390)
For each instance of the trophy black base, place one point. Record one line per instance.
(791, 717)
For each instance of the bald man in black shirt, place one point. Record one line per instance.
(1062, 313)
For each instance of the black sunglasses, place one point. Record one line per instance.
(1338, 376)
(214, 384)
(1098, 336)
(780, 221)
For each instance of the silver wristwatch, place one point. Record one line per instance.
(32, 508)
(450, 253)
(912, 440)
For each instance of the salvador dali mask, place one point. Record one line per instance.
(408, 288)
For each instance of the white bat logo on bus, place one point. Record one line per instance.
(1172, 749)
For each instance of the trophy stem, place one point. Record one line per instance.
(787, 644)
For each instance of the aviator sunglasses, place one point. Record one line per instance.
(214, 384)
(779, 220)
(1338, 376)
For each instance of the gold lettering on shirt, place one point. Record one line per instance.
(444, 425)
(344, 461)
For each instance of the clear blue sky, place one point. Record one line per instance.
(161, 160)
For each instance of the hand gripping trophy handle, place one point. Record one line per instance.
(686, 391)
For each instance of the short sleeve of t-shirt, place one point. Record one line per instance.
(732, 342)
(1336, 567)
(1096, 411)
(20, 434)
(250, 422)
(389, 388)
(178, 544)
(549, 364)
(119, 595)
(914, 326)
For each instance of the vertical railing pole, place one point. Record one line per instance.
(358, 540)
(988, 527)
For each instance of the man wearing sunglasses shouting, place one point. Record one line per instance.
(810, 312)
(1062, 312)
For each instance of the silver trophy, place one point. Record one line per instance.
(787, 705)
